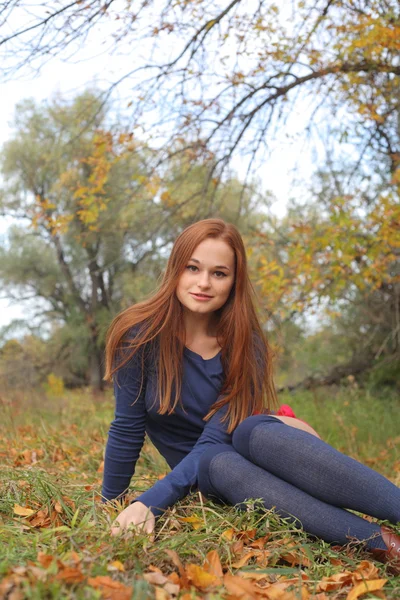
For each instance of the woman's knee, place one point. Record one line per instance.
(204, 469)
(242, 434)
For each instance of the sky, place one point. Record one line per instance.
(69, 78)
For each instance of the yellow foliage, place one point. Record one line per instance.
(55, 385)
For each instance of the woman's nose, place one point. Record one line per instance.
(204, 278)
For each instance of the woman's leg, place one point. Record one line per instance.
(310, 464)
(226, 475)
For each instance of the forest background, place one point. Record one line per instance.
(98, 186)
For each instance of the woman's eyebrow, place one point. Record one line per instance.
(216, 266)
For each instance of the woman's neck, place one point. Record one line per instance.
(199, 327)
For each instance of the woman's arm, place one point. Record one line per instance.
(180, 481)
(127, 431)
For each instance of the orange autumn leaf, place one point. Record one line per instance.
(366, 570)
(364, 587)
(45, 559)
(212, 564)
(70, 575)
(334, 582)
(110, 589)
(238, 564)
(239, 587)
(200, 578)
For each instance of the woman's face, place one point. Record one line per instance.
(211, 272)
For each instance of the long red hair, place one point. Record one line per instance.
(246, 355)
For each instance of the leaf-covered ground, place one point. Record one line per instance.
(54, 534)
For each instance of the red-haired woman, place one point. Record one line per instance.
(192, 368)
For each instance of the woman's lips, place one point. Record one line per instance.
(200, 297)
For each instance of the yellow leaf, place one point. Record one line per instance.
(22, 511)
(228, 534)
(201, 578)
(116, 565)
(195, 521)
(364, 587)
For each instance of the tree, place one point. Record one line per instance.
(225, 77)
(95, 223)
(222, 75)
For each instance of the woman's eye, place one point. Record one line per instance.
(219, 272)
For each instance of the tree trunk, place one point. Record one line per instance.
(96, 371)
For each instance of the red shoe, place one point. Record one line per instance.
(391, 556)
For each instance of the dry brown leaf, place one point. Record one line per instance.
(364, 587)
(57, 507)
(237, 547)
(277, 591)
(23, 511)
(334, 582)
(296, 557)
(37, 573)
(260, 542)
(243, 560)
(200, 578)
(183, 580)
(110, 589)
(172, 588)
(70, 575)
(176, 560)
(45, 559)
(41, 519)
(247, 535)
(240, 587)
(9, 588)
(154, 569)
(366, 570)
(212, 564)
(155, 578)
(161, 594)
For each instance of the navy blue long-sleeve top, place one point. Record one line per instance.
(181, 437)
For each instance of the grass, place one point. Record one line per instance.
(51, 453)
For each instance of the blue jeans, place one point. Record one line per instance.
(303, 478)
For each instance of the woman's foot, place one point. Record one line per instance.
(391, 556)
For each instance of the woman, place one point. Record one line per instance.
(192, 368)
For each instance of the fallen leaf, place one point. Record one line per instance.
(23, 511)
(110, 589)
(334, 582)
(116, 565)
(240, 587)
(45, 559)
(212, 564)
(364, 587)
(244, 559)
(70, 575)
(201, 578)
(196, 522)
(228, 534)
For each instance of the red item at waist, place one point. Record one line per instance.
(284, 411)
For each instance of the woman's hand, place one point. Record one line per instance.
(137, 514)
